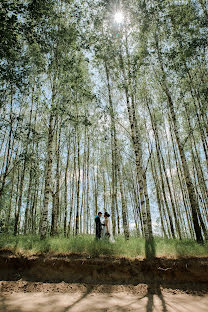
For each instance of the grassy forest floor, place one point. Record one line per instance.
(86, 244)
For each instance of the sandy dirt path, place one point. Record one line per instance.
(24, 296)
(117, 302)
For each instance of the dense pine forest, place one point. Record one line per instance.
(104, 108)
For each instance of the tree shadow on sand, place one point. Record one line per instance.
(151, 291)
(4, 306)
(89, 290)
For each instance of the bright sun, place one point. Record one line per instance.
(119, 17)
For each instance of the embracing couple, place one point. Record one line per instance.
(104, 228)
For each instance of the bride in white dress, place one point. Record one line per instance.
(108, 230)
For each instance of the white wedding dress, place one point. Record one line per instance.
(108, 223)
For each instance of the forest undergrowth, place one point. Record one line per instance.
(86, 244)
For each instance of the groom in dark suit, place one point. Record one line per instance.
(98, 225)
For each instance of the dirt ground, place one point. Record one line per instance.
(23, 296)
(62, 283)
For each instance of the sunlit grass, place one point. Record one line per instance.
(134, 247)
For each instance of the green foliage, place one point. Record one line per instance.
(86, 244)
(21, 25)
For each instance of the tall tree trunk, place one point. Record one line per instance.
(8, 151)
(82, 214)
(56, 195)
(72, 190)
(48, 173)
(162, 167)
(159, 203)
(88, 184)
(146, 216)
(78, 184)
(123, 203)
(28, 200)
(189, 183)
(113, 157)
(66, 188)
(18, 214)
(10, 203)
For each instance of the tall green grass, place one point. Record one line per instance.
(134, 247)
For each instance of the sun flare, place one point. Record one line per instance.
(119, 17)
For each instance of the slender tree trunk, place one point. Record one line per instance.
(18, 214)
(113, 147)
(28, 201)
(124, 207)
(189, 183)
(10, 203)
(162, 167)
(146, 216)
(8, 149)
(56, 195)
(88, 186)
(154, 175)
(78, 185)
(95, 192)
(66, 188)
(44, 223)
(72, 190)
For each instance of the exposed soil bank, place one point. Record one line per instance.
(101, 270)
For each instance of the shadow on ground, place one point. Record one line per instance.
(100, 298)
